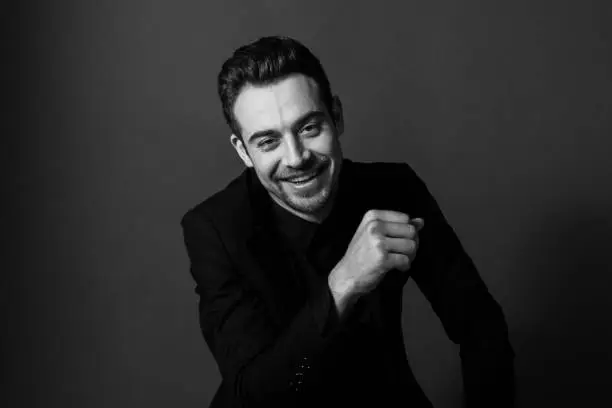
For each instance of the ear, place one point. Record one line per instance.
(337, 115)
(241, 150)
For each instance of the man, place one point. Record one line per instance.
(300, 261)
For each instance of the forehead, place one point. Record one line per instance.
(276, 106)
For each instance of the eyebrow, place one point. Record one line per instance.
(301, 121)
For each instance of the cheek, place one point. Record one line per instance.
(323, 144)
(266, 164)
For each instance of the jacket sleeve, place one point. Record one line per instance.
(259, 362)
(471, 317)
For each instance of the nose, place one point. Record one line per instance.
(296, 153)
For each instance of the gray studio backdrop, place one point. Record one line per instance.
(504, 109)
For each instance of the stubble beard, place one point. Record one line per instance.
(307, 203)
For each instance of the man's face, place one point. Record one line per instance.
(291, 141)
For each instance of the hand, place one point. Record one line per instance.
(383, 241)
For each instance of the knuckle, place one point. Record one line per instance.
(411, 230)
(379, 255)
(406, 263)
(410, 246)
(400, 262)
(373, 227)
(378, 243)
(371, 215)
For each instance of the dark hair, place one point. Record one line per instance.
(265, 61)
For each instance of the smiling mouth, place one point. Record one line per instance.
(302, 180)
(306, 178)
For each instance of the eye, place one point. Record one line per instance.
(311, 129)
(267, 143)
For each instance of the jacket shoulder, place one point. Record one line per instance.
(393, 185)
(223, 204)
(383, 173)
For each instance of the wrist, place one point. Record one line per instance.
(342, 290)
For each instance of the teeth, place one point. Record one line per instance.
(303, 179)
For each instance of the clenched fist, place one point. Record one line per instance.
(383, 241)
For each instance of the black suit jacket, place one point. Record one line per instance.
(275, 346)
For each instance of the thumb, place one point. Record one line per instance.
(419, 223)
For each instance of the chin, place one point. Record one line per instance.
(310, 205)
